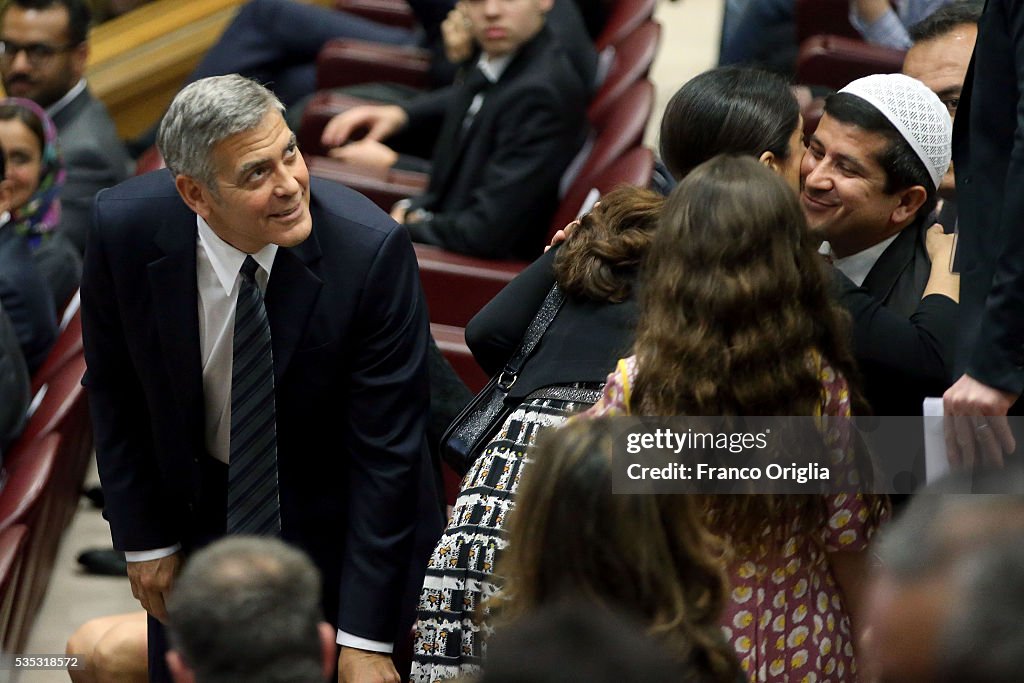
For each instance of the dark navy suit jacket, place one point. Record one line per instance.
(349, 332)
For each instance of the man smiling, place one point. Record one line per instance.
(256, 365)
(869, 182)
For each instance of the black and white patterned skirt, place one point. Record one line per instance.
(452, 616)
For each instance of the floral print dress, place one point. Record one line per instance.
(785, 616)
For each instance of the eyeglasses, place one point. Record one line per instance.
(35, 53)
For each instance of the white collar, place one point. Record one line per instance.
(5, 218)
(857, 266)
(57, 106)
(493, 68)
(227, 260)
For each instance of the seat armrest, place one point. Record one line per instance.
(343, 62)
(322, 108)
(383, 188)
(390, 12)
(834, 61)
(458, 286)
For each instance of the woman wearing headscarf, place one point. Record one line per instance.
(35, 173)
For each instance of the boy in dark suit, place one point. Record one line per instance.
(504, 137)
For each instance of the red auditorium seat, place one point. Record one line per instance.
(12, 543)
(814, 17)
(383, 188)
(150, 160)
(67, 346)
(452, 342)
(624, 17)
(458, 286)
(31, 467)
(346, 61)
(392, 12)
(834, 61)
(631, 61)
(64, 409)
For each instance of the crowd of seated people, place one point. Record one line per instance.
(784, 275)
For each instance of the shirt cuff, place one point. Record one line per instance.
(147, 555)
(887, 30)
(349, 640)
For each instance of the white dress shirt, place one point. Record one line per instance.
(857, 266)
(218, 265)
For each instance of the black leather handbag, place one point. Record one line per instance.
(469, 432)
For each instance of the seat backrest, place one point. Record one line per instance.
(624, 16)
(632, 168)
(63, 407)
(834, 61)
(12, 544)
(631, 61)
(67, 346)
(620, 129)
(815, 17)
(150, 160)
(29, 467)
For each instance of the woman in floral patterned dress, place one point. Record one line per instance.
(736, 320)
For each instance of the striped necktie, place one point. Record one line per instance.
(253, 504)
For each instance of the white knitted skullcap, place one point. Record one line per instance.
(916, 112)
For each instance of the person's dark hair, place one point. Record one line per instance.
(577, 640)
(9, 112)
(982, 641)
(735, 315)
(946, 19)
(601, 260)
(728, 110)
(903, 168)
(79, 15)
(248, 609)
(571, 536)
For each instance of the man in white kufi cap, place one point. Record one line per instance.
(869, 182)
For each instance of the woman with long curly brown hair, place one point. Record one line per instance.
(736, 320)
(649, 557)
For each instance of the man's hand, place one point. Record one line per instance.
(366, 152)
(398, 212)
(941, 280)
(975, 424)
(458, 41)
(379, 120)
(152, 582)
(939, 245)
(363, 666)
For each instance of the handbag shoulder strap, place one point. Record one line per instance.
(538, 326)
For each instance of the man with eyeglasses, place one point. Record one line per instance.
(43, 50)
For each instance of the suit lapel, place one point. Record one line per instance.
(175, 295)
(291, 295)
(891, 266)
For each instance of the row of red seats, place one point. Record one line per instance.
(832, 53)
(45, 469)
(457, 286)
